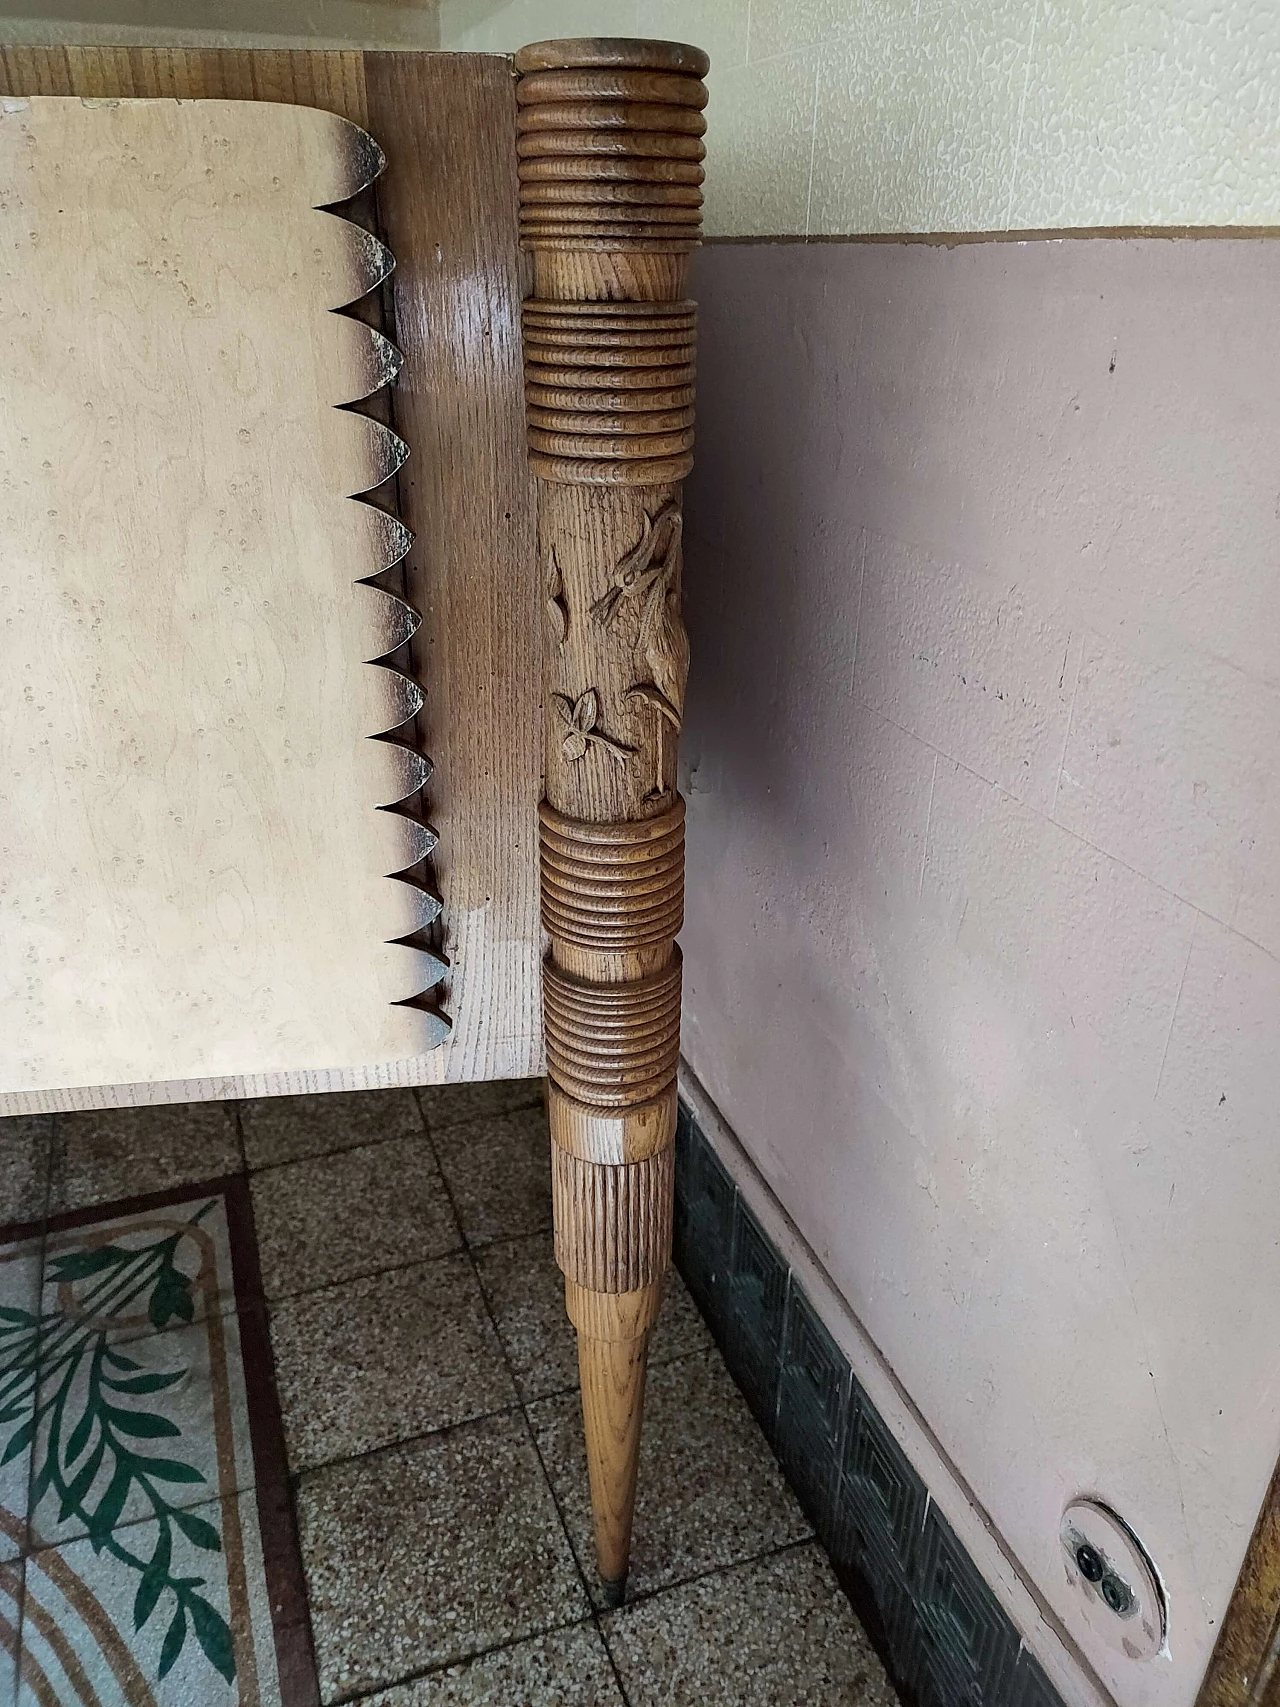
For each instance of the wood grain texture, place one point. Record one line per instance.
(1244, 1669)
(474, 566)
(609, 342)
(613, 1223)
(184, 606)
(333, 81)
(448, 200)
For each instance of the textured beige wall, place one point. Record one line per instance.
(838, 116)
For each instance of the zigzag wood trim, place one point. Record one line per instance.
(397, 621)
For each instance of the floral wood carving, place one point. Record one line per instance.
(579, 718)
(649, 576)
(557, 606)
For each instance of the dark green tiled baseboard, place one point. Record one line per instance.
(944, 1637)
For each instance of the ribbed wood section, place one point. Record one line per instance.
(613, 1224)
(610, 382)
(610, 174)
(574, 116)
(612, 1045)
(612, 887)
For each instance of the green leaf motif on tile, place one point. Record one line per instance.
(77, 1396)
(153, 1581)
(214, 1636)
(18, 1442)
(148, 1383)
(79, 1265)
(174, 1638)
(142, 1425)
(198, 1531)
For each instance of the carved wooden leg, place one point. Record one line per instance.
(610, 150)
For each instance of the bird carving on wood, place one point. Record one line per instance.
(649, 576)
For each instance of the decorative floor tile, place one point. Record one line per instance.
(19, 1344)
(105, 1155)
(287, 1129)
(569, 1668)
(499, 1172)
(446, 1105)
(773, 1631)
(427, 1553)
(25, 1141)
(333, 1218)
(175, 1613)
(153, 1423)
(381, 1359)
(140, 1267)
(160, 1538)
(525, 1291)
(12, 1573)
(710, 1492)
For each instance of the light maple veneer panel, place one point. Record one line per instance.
(460, 110)
(185, 635)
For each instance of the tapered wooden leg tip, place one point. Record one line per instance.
(613, 1590)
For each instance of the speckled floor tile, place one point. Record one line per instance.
(446, 1105)
(332, 1218)
(287, 1129)
(711, 1493)
(499, 1171)
(19, 1337)
(525, 1290)
(25, 1141)
(569, 1668)
(106, 1155)
(385, 1358)
(432, 1551)
(768, 1634)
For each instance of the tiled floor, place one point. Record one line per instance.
(427, 1387)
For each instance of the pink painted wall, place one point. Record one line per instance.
(983, 940)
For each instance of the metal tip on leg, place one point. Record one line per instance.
(614, 1590)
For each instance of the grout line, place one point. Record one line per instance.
(439, 1668)
(523, 1407)
(303, 1473)
(722, 1569)
(428, 1127)
(298, 1471)
(273, 1299)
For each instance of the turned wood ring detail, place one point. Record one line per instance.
(609, 165)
